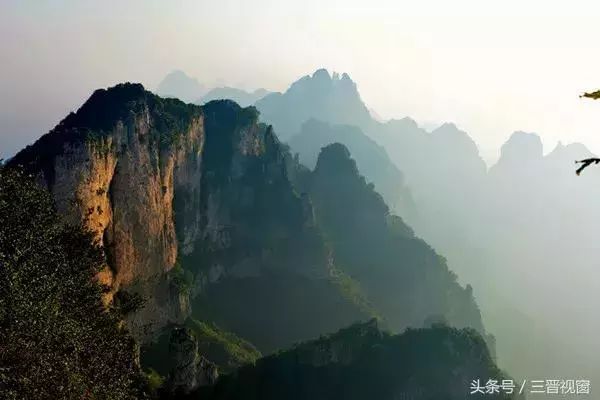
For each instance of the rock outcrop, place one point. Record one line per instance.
(116, 164)
(191, 369)
(181, 197)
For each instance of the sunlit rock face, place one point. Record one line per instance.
(116, 164)
(162, 183)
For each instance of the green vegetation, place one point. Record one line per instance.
(154, 382)
(223, 348)
(401, 275)
(363, 362)
(57, 341)
(182, 279)
(352, 291)
(99, 115)
(127, 302)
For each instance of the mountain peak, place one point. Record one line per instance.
(180, 85)
(336, 157)
(448, 128)
(321, 74)
(322, 96)
(107, 106)
(570, 152)
(522, 146)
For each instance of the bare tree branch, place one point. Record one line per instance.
(586, 163)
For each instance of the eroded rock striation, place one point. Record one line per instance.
(180, 197)
(129, 164)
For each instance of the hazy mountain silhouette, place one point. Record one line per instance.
(372, 159)
(242, 97)
(201, 212)
(380, 251)
(515, 232)
(181, 86)
(330, 98)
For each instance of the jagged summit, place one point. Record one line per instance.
(322, 79)
(324, 96)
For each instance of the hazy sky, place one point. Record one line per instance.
(491, 67)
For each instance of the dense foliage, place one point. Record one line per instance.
(57, 340)
(362, 362)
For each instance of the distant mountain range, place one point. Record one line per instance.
(372, 159)
(242, 97)
(235, 246)
(179, 85)
(242, 246)
(528, 212)
(329, 98)
(188, 89)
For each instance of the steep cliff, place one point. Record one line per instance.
(187, 202)
(262, 267)
(115, 164)
(196, 212)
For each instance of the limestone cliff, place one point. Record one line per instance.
(183, 197)
(116, 165)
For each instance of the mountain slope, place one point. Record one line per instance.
(198, 211)
(403, 276)
(363, 362)
(187, 200)
(445, 161)
(372, 160)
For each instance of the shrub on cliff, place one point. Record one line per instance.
(57, 340)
